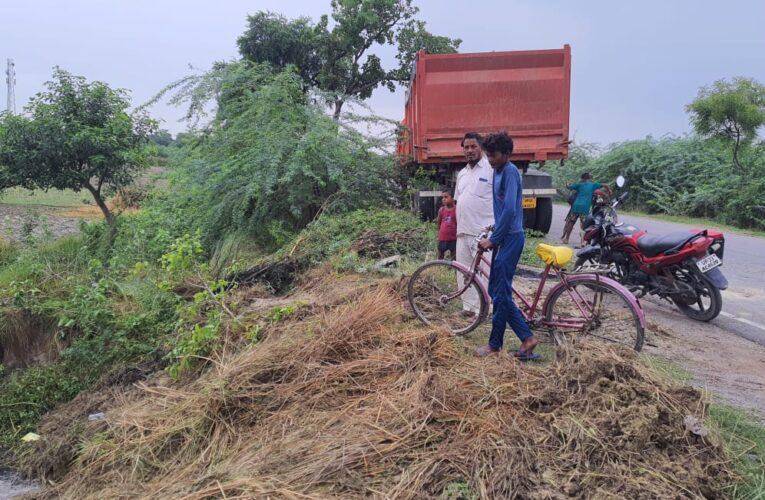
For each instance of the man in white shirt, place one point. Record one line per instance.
(475, 209)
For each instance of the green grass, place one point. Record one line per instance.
(52, 198)
(742, 437)
(668, 370)
(744, 440)
(529, 256)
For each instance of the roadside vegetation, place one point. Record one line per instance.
(718, 173)
(246, 297)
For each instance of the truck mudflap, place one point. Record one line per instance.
(717, 278)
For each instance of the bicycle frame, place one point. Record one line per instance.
(565, 280)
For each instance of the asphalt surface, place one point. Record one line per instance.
(743, 310)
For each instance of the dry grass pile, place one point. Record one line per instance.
(375, 245)
(357, 401)
(26, 340)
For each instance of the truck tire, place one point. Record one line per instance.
(529, 218)
(544, 215)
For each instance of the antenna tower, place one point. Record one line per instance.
(10, 78)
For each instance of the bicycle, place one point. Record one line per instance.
(449, 293)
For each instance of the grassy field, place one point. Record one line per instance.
(51, 198)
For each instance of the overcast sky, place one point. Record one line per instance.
(635, 64)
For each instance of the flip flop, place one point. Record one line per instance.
(522, 355)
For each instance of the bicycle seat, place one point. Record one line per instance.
(555, 256)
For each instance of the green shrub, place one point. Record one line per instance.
(687, 176)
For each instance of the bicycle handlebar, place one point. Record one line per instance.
(484, 234)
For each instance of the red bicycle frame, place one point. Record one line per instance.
(565, 280)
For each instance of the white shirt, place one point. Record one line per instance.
(474, 195)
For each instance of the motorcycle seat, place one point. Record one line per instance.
(652, 246)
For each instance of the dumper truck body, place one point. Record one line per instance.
(526, 93)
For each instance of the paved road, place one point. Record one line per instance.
(744, 302)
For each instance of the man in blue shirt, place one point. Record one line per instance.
(507, 241)
(581, 206)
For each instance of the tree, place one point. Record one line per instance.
(272, 38)
(339, 61)
(276, 162)
(162, 137)
(76, 135)
(732, 111)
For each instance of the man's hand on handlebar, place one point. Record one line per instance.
(484, 243)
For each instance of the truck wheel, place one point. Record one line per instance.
(544, 215)
(529, 218)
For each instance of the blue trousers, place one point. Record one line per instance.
(504, 262)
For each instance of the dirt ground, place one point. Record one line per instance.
(18, 222)
(728, 366)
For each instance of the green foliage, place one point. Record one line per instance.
(458, 490)
(341, 61)
(414, 37)
(744, 440)
(8, 253)
(334, 234)
(731, 111)
(273, 39)
(28, 395)
(184, 254)
(161, 137)
(106, 318)
(529, 255)
(199, 321)
(275, 163)
(199, 331)
(688, 176)
(50, 198)
(281, 313)
(78, 135)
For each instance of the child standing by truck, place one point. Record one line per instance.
(447, 226)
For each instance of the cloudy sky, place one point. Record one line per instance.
(635, 64)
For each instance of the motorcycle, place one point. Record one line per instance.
(681, 267)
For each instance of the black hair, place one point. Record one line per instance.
(449, 191)
(586, 176)
(472, 135)
(498, 141)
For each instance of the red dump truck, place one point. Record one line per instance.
(526, 93)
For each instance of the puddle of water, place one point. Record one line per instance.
(11, 485)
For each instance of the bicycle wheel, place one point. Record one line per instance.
(434, 294)
(595, 308)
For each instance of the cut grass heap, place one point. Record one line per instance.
(356, 400)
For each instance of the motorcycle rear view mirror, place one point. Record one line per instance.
(620, 181)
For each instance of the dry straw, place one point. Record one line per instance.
(359, 401)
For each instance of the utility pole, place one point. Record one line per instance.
(10, 78)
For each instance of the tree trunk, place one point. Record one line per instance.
(338, 109)
(735, 151)
(101, 204)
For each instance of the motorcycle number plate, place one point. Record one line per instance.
(708, 263)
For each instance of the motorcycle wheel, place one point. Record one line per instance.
(708, 299)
